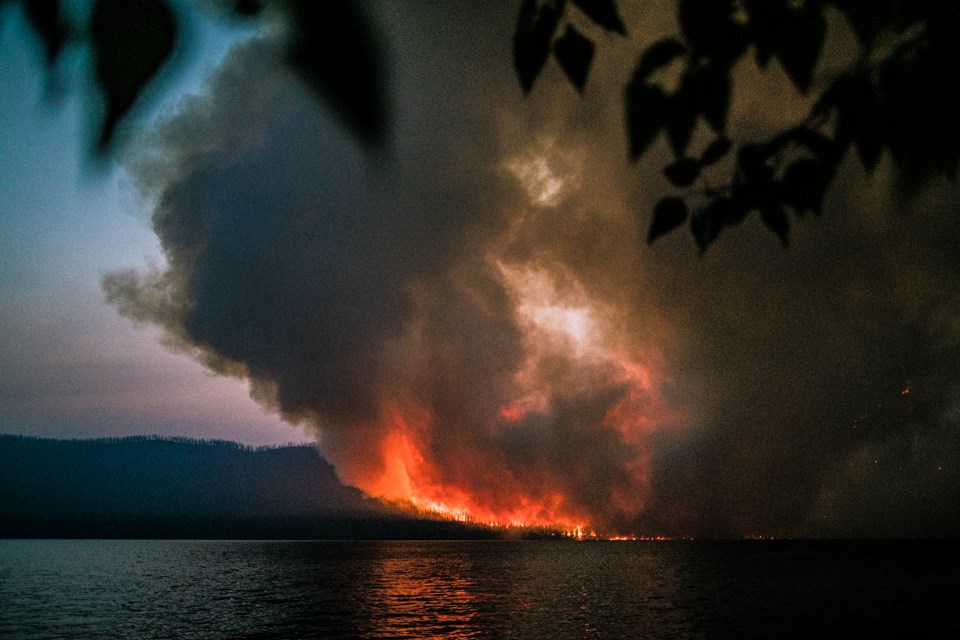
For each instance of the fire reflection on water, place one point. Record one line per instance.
(429, 595)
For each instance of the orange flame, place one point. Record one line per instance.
(406, 477)
(482, 487)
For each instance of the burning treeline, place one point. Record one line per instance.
(473, 324)
(405, 312)
(560, 441)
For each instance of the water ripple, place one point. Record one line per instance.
(155, 590)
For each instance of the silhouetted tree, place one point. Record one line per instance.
(329, 44)
(900, 94)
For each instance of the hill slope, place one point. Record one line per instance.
(174, 488)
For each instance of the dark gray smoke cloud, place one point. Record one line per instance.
(343, 286)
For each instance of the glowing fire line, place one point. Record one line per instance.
(559, 321)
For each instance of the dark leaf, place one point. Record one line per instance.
(531, 43)
(776, 219)
(709, 88)
(248, 8)
(683, 172)
(818, 144)
(44, 17)
(827, 101)
(717, 149)
(669, 214)
(603, 13)
(798, 46)
(763, 54)
(681, 121)
(862, 116)
(335, 52)
(710, 28)
(698, 17)
(835, 96)
(646, 108)
(131, 40)
(574, 53)
(778, 142)
(804, 184)
(657, 55)
(794, 35)
(869, 146)
(866, 17)
(706, 223)
(731, 211)
(767, 20)
(752, 166)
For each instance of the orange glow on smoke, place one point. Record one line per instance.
(513, 412)
(408, 479)
(559, 322)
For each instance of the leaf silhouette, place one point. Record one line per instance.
(44, 17)
(647, 110)
(531, 42)
(708, 87)
(131, 40)
(870, 145)
(865, 16)
(794, 35)
(818, 144)
(752, 166)
(804, 184)
(706, 223)
(574, 53)
(603, 13)
(863, 117)
(659, 54)
(776, 219)
(334, 50)
(681, 120)
(717, 149)
(248, 8)
(800, 44)
(669, 214)
(709, 27)
(683, 172)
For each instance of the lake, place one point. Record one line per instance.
(476, 589)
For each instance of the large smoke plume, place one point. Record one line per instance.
(473, 321)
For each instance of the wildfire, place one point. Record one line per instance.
(563, 437)
(407, 478)
(560, 325)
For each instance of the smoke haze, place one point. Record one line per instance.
(472, 320)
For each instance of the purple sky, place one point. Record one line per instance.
(70, 367)
(475, 316)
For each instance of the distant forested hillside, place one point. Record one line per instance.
(168, 477)
(160, 487)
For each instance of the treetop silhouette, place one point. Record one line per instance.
(900, 94)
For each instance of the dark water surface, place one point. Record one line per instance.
(519, 589)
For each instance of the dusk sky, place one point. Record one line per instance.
(70, 367)
(471, 319)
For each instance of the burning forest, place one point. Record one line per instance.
(471, 323)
